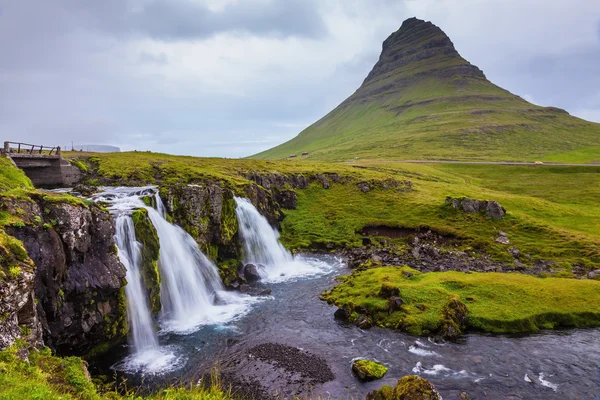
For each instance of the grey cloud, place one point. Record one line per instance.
(173, 19)
(158, 59)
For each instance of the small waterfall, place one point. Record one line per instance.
(274, 262)
(191, 290)
(190, 282)
(140, 321)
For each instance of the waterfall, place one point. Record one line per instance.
(263, 248)
(190, 283)
(191, 291)
(140, 321)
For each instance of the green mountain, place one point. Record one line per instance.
(422, 100)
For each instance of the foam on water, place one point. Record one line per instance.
(263, 249)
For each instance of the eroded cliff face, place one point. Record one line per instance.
(76, 277)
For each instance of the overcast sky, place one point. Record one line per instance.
(233, 77)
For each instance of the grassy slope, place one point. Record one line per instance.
(446, 129)
(411, 112)
(494, 300)
(559, 224)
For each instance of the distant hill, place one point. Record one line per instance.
(422, 100)
(98, 148)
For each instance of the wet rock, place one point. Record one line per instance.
(414, 387)
(366, 241)
(251, 273)
(84, 190)
(266, 292)
(367, 370)
(341, 314)
(244, 288)
(384, 393)
(79, 280)
(363, 322)
(455, 319)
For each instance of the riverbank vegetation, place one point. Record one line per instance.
(495, 302)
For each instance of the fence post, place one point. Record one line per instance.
(6, 148)
(58, 151)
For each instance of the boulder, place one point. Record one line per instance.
(594, 274)
(384, 393)
(495, 210)
(411, 387)
(251, 273)
(414, 387)
(367, 370)
(363, 322)
(363, 186)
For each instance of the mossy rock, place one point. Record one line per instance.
(384, 393)
(146, 234)
(413, 387)
(367, 370)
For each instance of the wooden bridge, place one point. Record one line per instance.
(42, 164)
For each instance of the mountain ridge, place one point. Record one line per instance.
(423, 100)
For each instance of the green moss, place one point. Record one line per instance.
(415, 387)
(367, 370)
(229, 222)
(146, 234)
(228, 270)
(118, 329)
(14, 271)
(490, 302)
(80, 164)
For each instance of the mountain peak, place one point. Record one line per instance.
(422, 100)
(421, 48)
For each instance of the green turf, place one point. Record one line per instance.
(496, 302)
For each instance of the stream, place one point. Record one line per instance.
(560, 364)
(548, 365)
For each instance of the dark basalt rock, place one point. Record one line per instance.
(78, 277)
(251, 273)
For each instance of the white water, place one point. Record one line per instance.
(146, 355)
(190, 284)
(261, 242)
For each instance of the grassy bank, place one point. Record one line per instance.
(498, 303)
(552, 212)
(51, 378)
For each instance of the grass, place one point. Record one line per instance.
(495, 301)
(46, 377)
(552, 212)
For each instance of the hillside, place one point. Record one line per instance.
(422, 100)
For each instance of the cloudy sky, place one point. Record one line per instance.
(233, 77)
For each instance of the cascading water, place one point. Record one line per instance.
(274, 262)
(190, 283)
(140, 321)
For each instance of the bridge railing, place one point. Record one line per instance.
(26, 148)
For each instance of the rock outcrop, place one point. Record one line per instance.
(491, 208)
(79, 279)
(147, 236)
